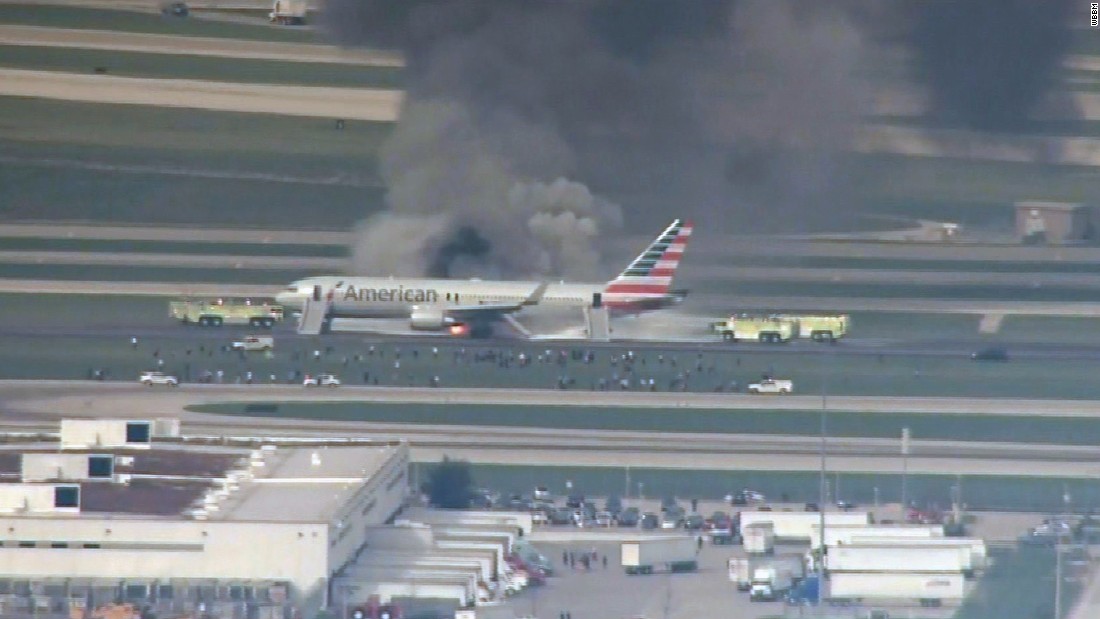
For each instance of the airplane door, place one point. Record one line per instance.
(317, 293)
(597, 299)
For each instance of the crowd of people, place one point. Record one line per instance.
(397, 364)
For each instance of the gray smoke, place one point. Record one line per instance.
(989, 63)
(520, 115)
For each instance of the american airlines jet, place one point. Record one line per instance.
(473, 305)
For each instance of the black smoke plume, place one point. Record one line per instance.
(529, 121)
(989, 63)
(465, 243)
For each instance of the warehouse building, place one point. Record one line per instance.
(121, 516)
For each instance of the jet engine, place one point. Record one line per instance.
(429, 319)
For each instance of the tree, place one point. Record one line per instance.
(451, 484)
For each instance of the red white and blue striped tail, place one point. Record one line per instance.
(649, 276)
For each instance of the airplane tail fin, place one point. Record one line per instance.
(650, 274)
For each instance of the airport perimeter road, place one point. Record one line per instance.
(154, 289)
(62, 230)
(173, 260)
(107, 398)
(40, 36)
(325, 102)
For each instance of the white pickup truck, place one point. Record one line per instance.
(772, 385)
(254, 342)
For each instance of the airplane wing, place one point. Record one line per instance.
(493, 309)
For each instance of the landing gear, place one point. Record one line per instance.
(481, 330)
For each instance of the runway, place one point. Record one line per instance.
(718, 304)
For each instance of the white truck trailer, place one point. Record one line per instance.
(979, 555)
(898, 558)
(644, 556)
(289, 12)
(928, 589)
(523, 521)
(844, 533)
(740, 571)
(770, 583)
(759, 538)
(800, 525)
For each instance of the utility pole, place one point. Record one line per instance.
(904, 472)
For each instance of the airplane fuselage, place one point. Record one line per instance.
(384, 297)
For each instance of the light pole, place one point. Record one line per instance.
(821, 501)
(1058, 577)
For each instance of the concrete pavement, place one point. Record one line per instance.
(41, 36)
(326, 102)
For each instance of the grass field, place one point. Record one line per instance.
(139, 164)
(311, 149)
(979, 492)
(171, 66)
(979, 428)
(153, 23)
(906, 183)
(68, 123)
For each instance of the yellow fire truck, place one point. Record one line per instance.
(749, 328)
(778, 328)
(218, 312)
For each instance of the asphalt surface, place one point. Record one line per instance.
(212, 261)
(325, 102)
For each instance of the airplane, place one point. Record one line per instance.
(472, 306)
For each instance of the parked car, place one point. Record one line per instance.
(672, 519)
(720, 520)
(604, 519)
(614, 505)
(542, 492)
(321, 380)
(649, 521)
(668, 503)
(574, 500)
(629, 517)
(746, 496)
(694, 522)
(992, 353)
(561, 516)
(158, 378)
